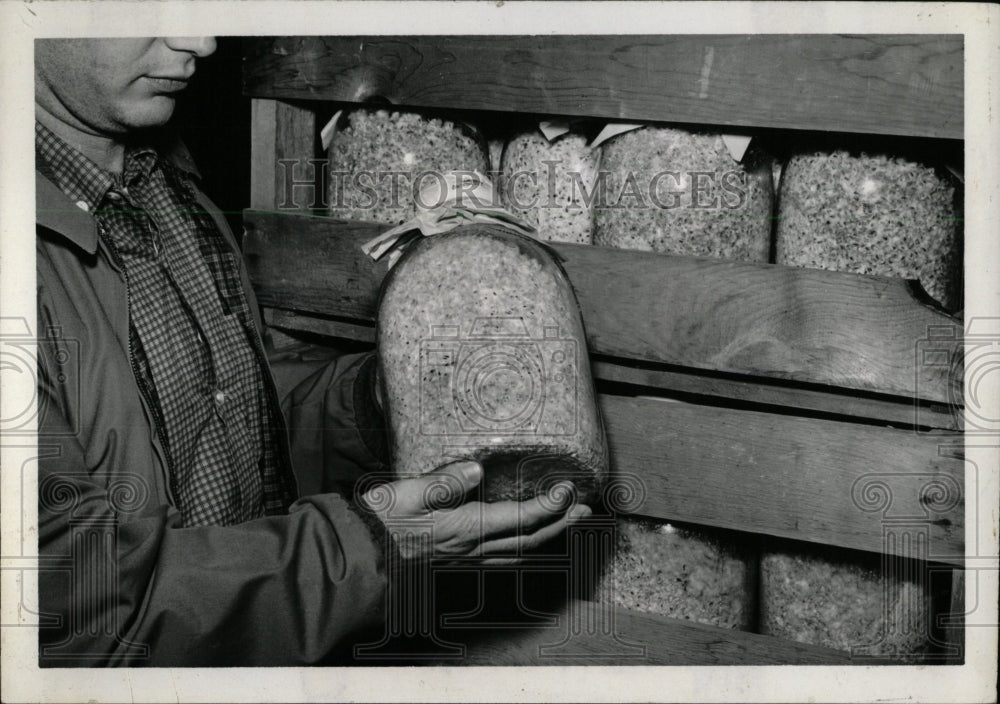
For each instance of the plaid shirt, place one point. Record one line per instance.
(191, 333)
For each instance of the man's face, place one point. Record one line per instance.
(109, 87)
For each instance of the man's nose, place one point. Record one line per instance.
(198, 46)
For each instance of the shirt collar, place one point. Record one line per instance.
(77, 176)
(66, 183)
(139, 162)
(85, 182)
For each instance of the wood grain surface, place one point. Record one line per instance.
(283, 137)
(634, 638)
(759, 392)
(848, 331)
(820, 481)
(878, 84)
(953, 622)
(586, 633)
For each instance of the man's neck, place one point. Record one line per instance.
(106, 152)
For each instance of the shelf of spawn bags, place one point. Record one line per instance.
(810, 389)
(678, 324)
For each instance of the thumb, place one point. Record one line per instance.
(447, 486)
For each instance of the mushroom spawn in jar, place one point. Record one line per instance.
(699, 574)
(482, 355)
(871, 214)
(380, 161)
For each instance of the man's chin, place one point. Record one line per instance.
(153, 112)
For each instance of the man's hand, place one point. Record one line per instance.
(428, 517)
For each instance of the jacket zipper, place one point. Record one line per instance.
(277, 419)
(170, 481)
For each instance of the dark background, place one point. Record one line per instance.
(214, 120)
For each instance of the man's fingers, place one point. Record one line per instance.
(447, 486)
(509, 518)
(516, 544)
(444, 488)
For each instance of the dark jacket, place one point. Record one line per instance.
(121, 582)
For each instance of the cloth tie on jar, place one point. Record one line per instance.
(454, 199)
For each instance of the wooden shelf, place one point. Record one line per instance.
(877, 84)
(587, 633)
(790, 477)
(765, 472)
(809, 405)
(687, 383)
(848, 331)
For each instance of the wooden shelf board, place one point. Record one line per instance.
(586, 633)
(753, 390)
(779, 474)
(848, 331)
(819, 481)
(878, 84)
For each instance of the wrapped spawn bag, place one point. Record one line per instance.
(844, 602)
(548, 184)
(677, 192)
(483, 356)
(380, 160)
(672, 174)
(870, 215)
(695, 574)
(865, 215)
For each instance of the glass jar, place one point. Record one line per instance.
(482, 355)
(843, 599)
(694, 573)
(871, 214)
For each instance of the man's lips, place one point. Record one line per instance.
(168, 84)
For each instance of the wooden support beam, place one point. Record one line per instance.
(757, 391)
(282, 142)
(633, 638)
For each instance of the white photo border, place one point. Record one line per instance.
(22, 22)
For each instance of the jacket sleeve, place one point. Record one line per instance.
(336, 431)
(122, 584)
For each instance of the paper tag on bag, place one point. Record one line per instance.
(330, 129)
(736, 144)
(956, 172)
(613, 129)
(553, 129)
